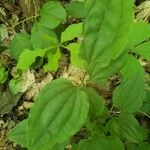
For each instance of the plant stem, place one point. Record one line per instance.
(145, 114)
(22, 21)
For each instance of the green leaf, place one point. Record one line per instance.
(19, 43)
(129, 96)
(131, 146)
(74, 147)
(76, 9)
(147, 98)
(101, 143)
(132, 68)
(53, 63)
(15, 86)
(27, 58)
(146, 108)
(3, 74)
(106, 29)
(140, 32)
(97, 103)
(143, 50)
(59, 112)
(144, 146)
(95, 127)
(100, 74)
(18, 133)
(60, 146)
(146, 105)
(75, 58)
(52, 14)
(127, 127)
(42, 37)
(71, 32)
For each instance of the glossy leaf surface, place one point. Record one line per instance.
(106, 29)
(60, 111)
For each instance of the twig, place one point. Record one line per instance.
(114, 112)
(145, 114)
(22, 22)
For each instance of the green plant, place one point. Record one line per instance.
(62, 107)
(3, 73)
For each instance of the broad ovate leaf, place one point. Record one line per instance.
(129, 96)
(101, 143)
(144, 146)
(52, 14)
(140, 33)
(97, 104)
(61, 146)
(100, 74)
(27, 58)
(71, 32)
(127, 127)
(19, 43)
(75, 58)
(59, 112)
(131, 146)
(18, 133)
(131, 68)
(143, 50)
(106, 29)
(42, 37)
(76, 9)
